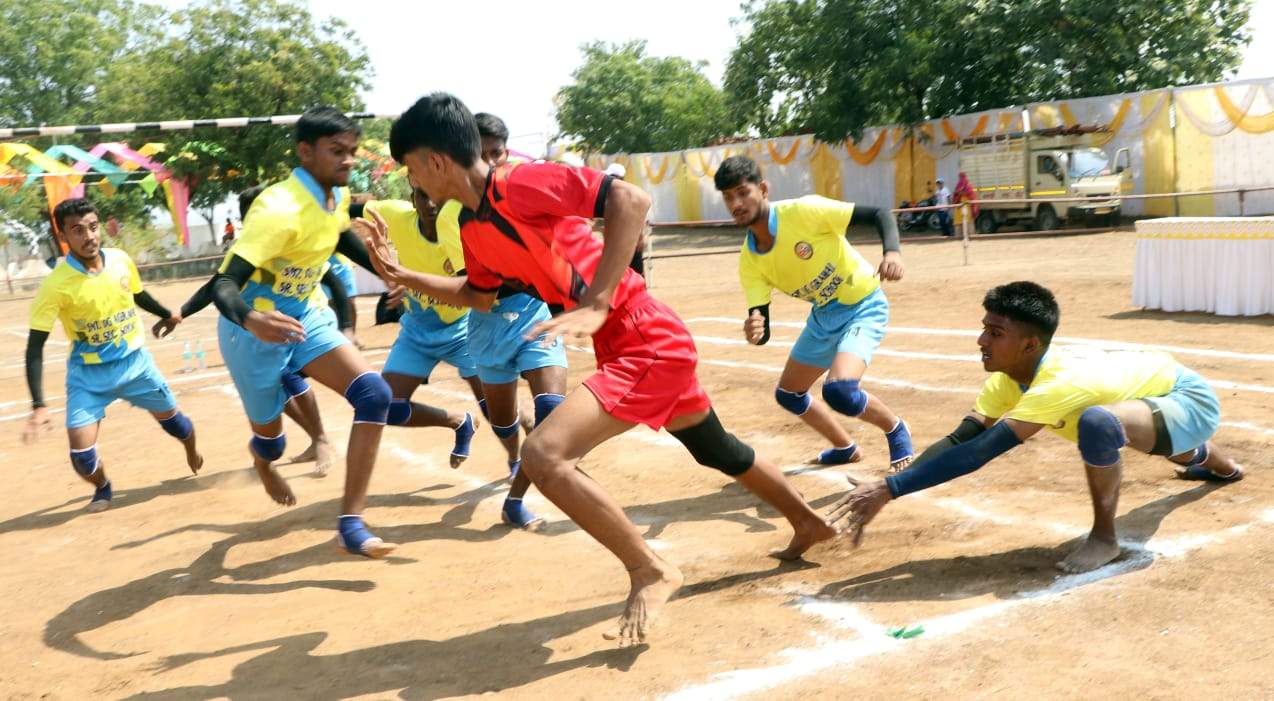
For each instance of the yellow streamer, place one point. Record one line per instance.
(980, 127)
(950, 132)
(1068, 117)
(1252, 124)
(657, 177)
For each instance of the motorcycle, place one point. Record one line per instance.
(917, 220)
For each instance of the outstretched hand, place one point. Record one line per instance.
(163, 327)
(857, 508)
(577, 324)
(375, 234)
(37, 424)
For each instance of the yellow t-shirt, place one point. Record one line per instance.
(1070, 380)
(811, 258)
(288, 235)
(96, 309)
(441, 257)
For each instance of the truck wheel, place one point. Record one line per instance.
(985, 223)
(1046, 219)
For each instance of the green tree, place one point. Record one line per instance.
(836, 66)
(623, 100)
(229, 58)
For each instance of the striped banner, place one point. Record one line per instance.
(175, 125)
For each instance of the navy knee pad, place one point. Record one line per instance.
(713, 446)
(796, 403)
(845, 396)
(85, 461)
(370, 396)
(294, 384)
(1101, 437)
(269, 449)
(399, 412)
(545, 404)
(506, 431)
(178, 426)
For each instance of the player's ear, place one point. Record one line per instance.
(765, 188)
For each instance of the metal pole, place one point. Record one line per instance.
(1241, 203)
(964, 229)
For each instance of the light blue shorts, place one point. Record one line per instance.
(257, 367)
(133, 378)
(345, 274)
(836, 328)
(422, 345)
(498, 345)
(1190, 412)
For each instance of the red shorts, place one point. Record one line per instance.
(646, 363)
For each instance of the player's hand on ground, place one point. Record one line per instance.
(395, 296)
(852, 512)
(890, 267)
(754, 327)
(375, 234)
(578, 324)
(274, 327)
(37, 424)
(163, 327)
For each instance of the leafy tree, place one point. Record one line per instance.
(623, 100)
(837, 66)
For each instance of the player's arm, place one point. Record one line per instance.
(272, 326)
(340, 299)
(756, 328)
(35, 383)
(625, 217)
(352, 246)
(887, 227)
(456, 291)
(935, 466)
(167, 321)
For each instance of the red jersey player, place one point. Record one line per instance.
(527, 225)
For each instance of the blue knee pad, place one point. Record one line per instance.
(1101, 436)
(85, 461)
(294, 384)
(845, 396)
(796, 403)
(545, 404)
(399, 412)
(269, 449)
(370, 396)
(506, 431)
(178, 426)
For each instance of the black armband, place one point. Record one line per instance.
(968, 429)
(339, 298)
(152, 305)
(200, 299)
(226, 287)
(883, 220)
(352, 247)
(35, 366)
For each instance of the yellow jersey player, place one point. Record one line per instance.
(95, 293)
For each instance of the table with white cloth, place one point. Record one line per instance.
(1222, 265)
(368, 284)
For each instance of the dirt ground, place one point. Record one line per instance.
(193, 588)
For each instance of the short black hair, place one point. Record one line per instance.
(735, 171)
(74, 207)
(439, 122)
(246, 198)
(491, 126)
(318, 122)
(1026, 303)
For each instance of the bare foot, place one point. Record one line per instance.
(275, 486)
(807, 536)
(193, 459)
(651, 588)
(309, 455)
(896, 467)
(1094, 553)
(325, 455)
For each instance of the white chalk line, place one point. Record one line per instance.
(873, 640)
(1107, 344)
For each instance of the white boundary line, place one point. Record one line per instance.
(966, 333)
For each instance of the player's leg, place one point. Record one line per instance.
(266, 446)
(575, 427)
(1103, 432)
(1185, 420)
(856, 331)
(712, 446)
(302, 407)
(87, 464)
(411, 361)
(548, 387)
(144, 386)
(793, 394)
(342, 369)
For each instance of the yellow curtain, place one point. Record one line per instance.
(689, 198)
(1158, 171)
(1194, 157)
(825, 171)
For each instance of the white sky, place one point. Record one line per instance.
(534, 48)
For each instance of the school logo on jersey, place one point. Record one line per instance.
(448, 268)
(803, 250)
(123, 282)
